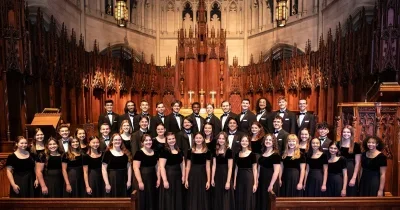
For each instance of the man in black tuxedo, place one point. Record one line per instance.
(64, 132)
(211, 118)
(263, 108)
(144, 107)
(289, 118)
(280, 134)
(198, 121)
(157, 119)
(305, 119)
(234, 135)
(130, 112)
(226, 107)
(323, 131)
(109, 117)
(105, 137)
(174, 121)
(185, 137)
(246, 118)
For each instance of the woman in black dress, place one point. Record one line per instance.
(49, 172)
(373, 163)
(172, 167)
(116, 168)
(305, 139)
(293, 169)
(198, 175)
(72, 169)
(208, 134)
(37, 149)
(159, 140)
(317, 170)
(145, 168)
(126, 134)
(245, 182)
(92, 171)
(269, 168)
(337, 173)
(20, 170)
(221, 178)
(80, 134)
(351, 151)
(257, 135)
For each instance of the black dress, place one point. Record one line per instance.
(23, 174)
(38, 190)
(197, 195)
(149, 196)
(211, 146)
(244, 196)
(117, 171)
(315, 176)
(52, 175)
(350, 158)
(256, 147)
(264, 179)
(95, 176)
(334, 184)
(370, 178)
(223, 199)
(127, 144)
(171, 198)
(157, 146)
(291, 176)
(75, 176)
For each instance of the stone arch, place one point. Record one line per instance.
(281, 51)
(121, 49)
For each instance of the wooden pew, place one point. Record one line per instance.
(338, 203)
(69, 203)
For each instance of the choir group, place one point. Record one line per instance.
(197, 163)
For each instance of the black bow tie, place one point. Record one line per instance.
(109, 113)
(275, 132)
(161, 116)
(261, 112)
(322, 138)
(106, 139)
(145, 114)
(244, 112)
(65, 142)
(224, 114)
(281, 111)
(231, 133)
(302, 113)
(131, 115)
(177, 115)
(196, 115)
(188, 132)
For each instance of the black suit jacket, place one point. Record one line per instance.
(225, 127)
(281, 139)
(103, 145)
(308, 122)
(155, 120)
(289, 121)
(127, 117)
(235, 147)
(171, 124)
(114, 125)
(182, 140)
(266, 122)
(195, 127)
(216, 124)
(246, 122)
(60, 145)
(136, 120)
(325, 145)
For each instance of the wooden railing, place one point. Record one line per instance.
(340, 203)
(69, 203)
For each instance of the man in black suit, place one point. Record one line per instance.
(226, 108)
(198, 121)
(174, 121)
(144, 107)
(105, 136)
(64, 132)
(211, 118)
(289, 118)
(280, 134)
(305, 119)
(130, 112)
(157, 119)
(263, 109)
(246, 118)
(109, 117)
(185, 137)
(323, 131)
(234, 135)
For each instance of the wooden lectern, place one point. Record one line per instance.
(380, 119)
(48, 121)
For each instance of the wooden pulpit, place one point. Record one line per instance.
(381, 119)
(48, 121)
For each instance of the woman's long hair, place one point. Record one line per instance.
(47, 151)
(297, 152)
(274, 143)
(89, 152)
(70, 154)
(310, 151)
(203, 144)
(261, 133)
(351, 147)
(226, 145)
(166, 146)
(123, 148)
(33, 147)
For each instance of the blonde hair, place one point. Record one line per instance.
(297, 152)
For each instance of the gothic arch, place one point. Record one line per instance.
(281, 51)
(187, 7)
(119, 50)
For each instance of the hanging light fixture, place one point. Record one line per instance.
(121, 13)
(281, 12)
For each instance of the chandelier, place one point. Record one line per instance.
(121, 13)
(281, 12)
